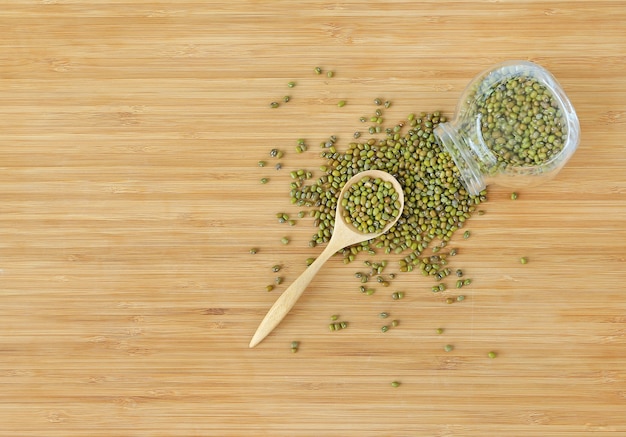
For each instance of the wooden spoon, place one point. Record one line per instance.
(343, 235)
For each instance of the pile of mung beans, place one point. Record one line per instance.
(436, 204)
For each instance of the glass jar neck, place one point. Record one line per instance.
(460, 147)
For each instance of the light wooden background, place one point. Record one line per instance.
(130, 196)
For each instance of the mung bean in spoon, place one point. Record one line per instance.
(369, 204)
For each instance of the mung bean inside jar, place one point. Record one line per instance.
(514, 126)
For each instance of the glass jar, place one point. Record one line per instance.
(514, 126)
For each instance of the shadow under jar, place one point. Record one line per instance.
(514, 126)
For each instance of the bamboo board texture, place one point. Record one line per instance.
(129, 138)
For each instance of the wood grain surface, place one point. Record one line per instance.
(130, 133)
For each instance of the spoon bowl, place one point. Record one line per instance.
(343, 235)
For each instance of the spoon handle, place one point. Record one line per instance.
(290, 296)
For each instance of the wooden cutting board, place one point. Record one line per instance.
(129, 139)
